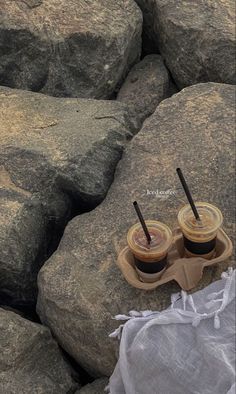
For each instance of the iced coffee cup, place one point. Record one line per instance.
(200, 235)
(150, 258)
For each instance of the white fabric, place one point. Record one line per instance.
(187, 349)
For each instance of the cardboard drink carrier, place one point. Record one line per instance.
(156, 255)
(186, 271)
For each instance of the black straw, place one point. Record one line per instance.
(143, 224)
(188, 194)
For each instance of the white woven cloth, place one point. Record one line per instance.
(187, 349)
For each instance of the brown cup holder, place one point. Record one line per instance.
(185, 271)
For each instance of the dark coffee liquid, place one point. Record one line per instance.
(151, 268)
(199, 248)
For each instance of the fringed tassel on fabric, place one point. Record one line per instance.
(228, 273)
(216, 321)
(132, 315)
(197, 317)
(196, 321)
(117, 332)
(184, 298)
(174, 297)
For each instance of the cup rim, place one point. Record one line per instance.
(155, 253)
(193, 233)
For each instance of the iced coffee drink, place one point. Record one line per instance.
(150, 258)
(200, 235)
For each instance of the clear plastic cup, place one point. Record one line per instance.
(200, 236)
(150, 259)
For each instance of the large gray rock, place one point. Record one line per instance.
(30, 360)
(75, 48)
(147, 84)
(97, 387)
(196, 38)
(57, 157)
(80, 287)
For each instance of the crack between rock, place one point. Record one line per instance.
(110, 117)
